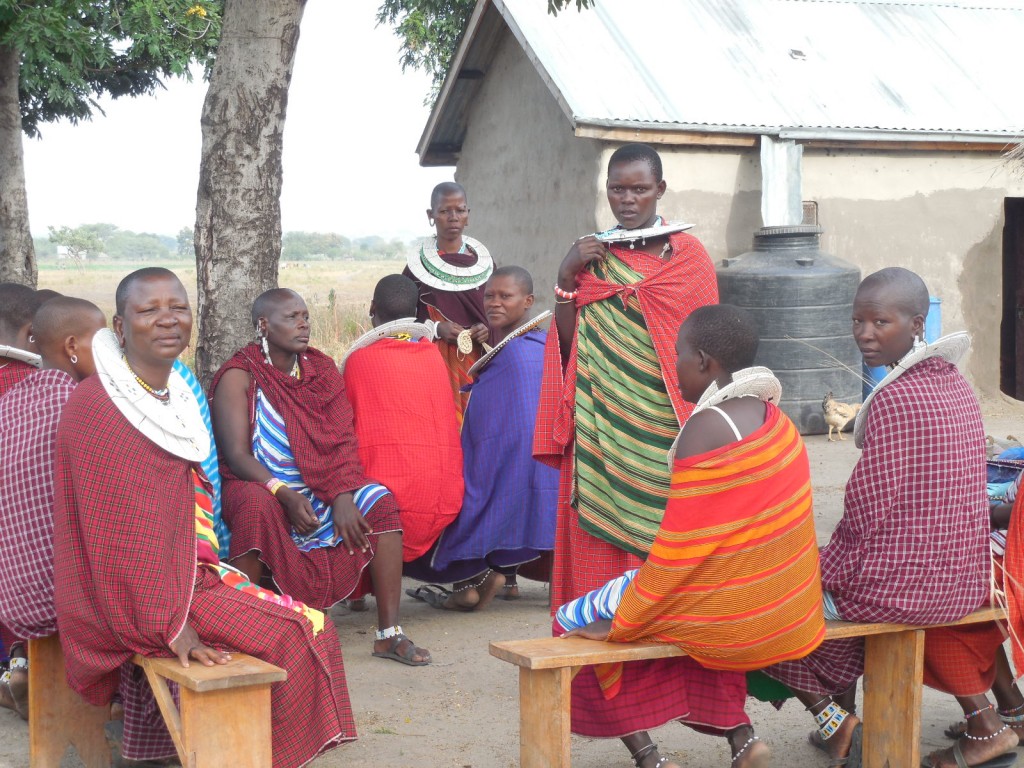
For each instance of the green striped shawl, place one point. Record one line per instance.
(625, 423)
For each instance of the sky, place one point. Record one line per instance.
(350, 164)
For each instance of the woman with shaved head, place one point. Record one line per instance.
(912, 545)
(135, 556)
(450, 270)
(295, 495)
(63, 330)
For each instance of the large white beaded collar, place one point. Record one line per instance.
(429, 268)
(176, 425)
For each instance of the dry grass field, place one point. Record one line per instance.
(338, 293)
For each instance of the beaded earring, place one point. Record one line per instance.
(919, 342)
(266, 347)
(74, 359)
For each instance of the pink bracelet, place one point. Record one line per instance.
(273, 485)
(567, 295)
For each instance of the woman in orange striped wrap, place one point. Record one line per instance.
(732, 577)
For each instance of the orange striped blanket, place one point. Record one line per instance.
(733, 575)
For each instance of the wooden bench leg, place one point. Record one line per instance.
(544, 698)
(214, 728)
(59, 717)
(893, 668)
(242, 731)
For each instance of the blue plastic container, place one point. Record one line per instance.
(932, 331)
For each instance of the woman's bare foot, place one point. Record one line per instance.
(651, 760)
(490, 587)
(464, 597)
(356, 606)
(8, 700)
(748, 751)
(510, 591)
(838, 746)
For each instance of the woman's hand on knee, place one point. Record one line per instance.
(349, 524)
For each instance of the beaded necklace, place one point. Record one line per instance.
(295, 372)
(430, 269)
(163, 395)
(660, 228)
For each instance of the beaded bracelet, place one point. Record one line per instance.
(568, 295)
(273, 485)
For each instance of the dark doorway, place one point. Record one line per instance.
(1011, 337)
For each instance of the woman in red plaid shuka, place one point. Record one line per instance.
(912, 545)
(127, 535)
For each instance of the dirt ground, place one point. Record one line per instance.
(462, 711)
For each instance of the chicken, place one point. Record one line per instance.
(837, 415)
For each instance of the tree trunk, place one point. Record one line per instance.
(17, 253)
(238, 213)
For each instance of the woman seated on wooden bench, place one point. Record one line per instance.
(736, 555)
(912, 545)
(295, 495)
(135, 556)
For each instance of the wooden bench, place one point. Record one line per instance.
(224, 710)
(224, 713)
(58, 717)
(893, 670)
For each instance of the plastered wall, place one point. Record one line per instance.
(532, 184)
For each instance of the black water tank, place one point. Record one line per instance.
(802, 299)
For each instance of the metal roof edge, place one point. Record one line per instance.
(822, 133)
(909, 135)
(423, 147)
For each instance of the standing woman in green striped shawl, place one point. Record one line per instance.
(610, 409)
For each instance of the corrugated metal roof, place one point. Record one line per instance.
(809, 67)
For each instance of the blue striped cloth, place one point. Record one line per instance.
(271, 448)
(210, 466)
(601, 603)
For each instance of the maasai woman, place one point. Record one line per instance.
(398, 388)
(295, 495)
(610, 405)
(508, 514)
(135, 555)
(450, 271)
(739, 523)
(912, 544)
(17, 305)
(29, 414)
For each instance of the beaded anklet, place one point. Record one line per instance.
(743, 749)
(473, 586)
(986, 738)
(974, 714)
(977, 712)
(641, 754)
(829, 720)
(1012, 715)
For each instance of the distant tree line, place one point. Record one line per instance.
(323, 246)
(104, 241)
(107, 241)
